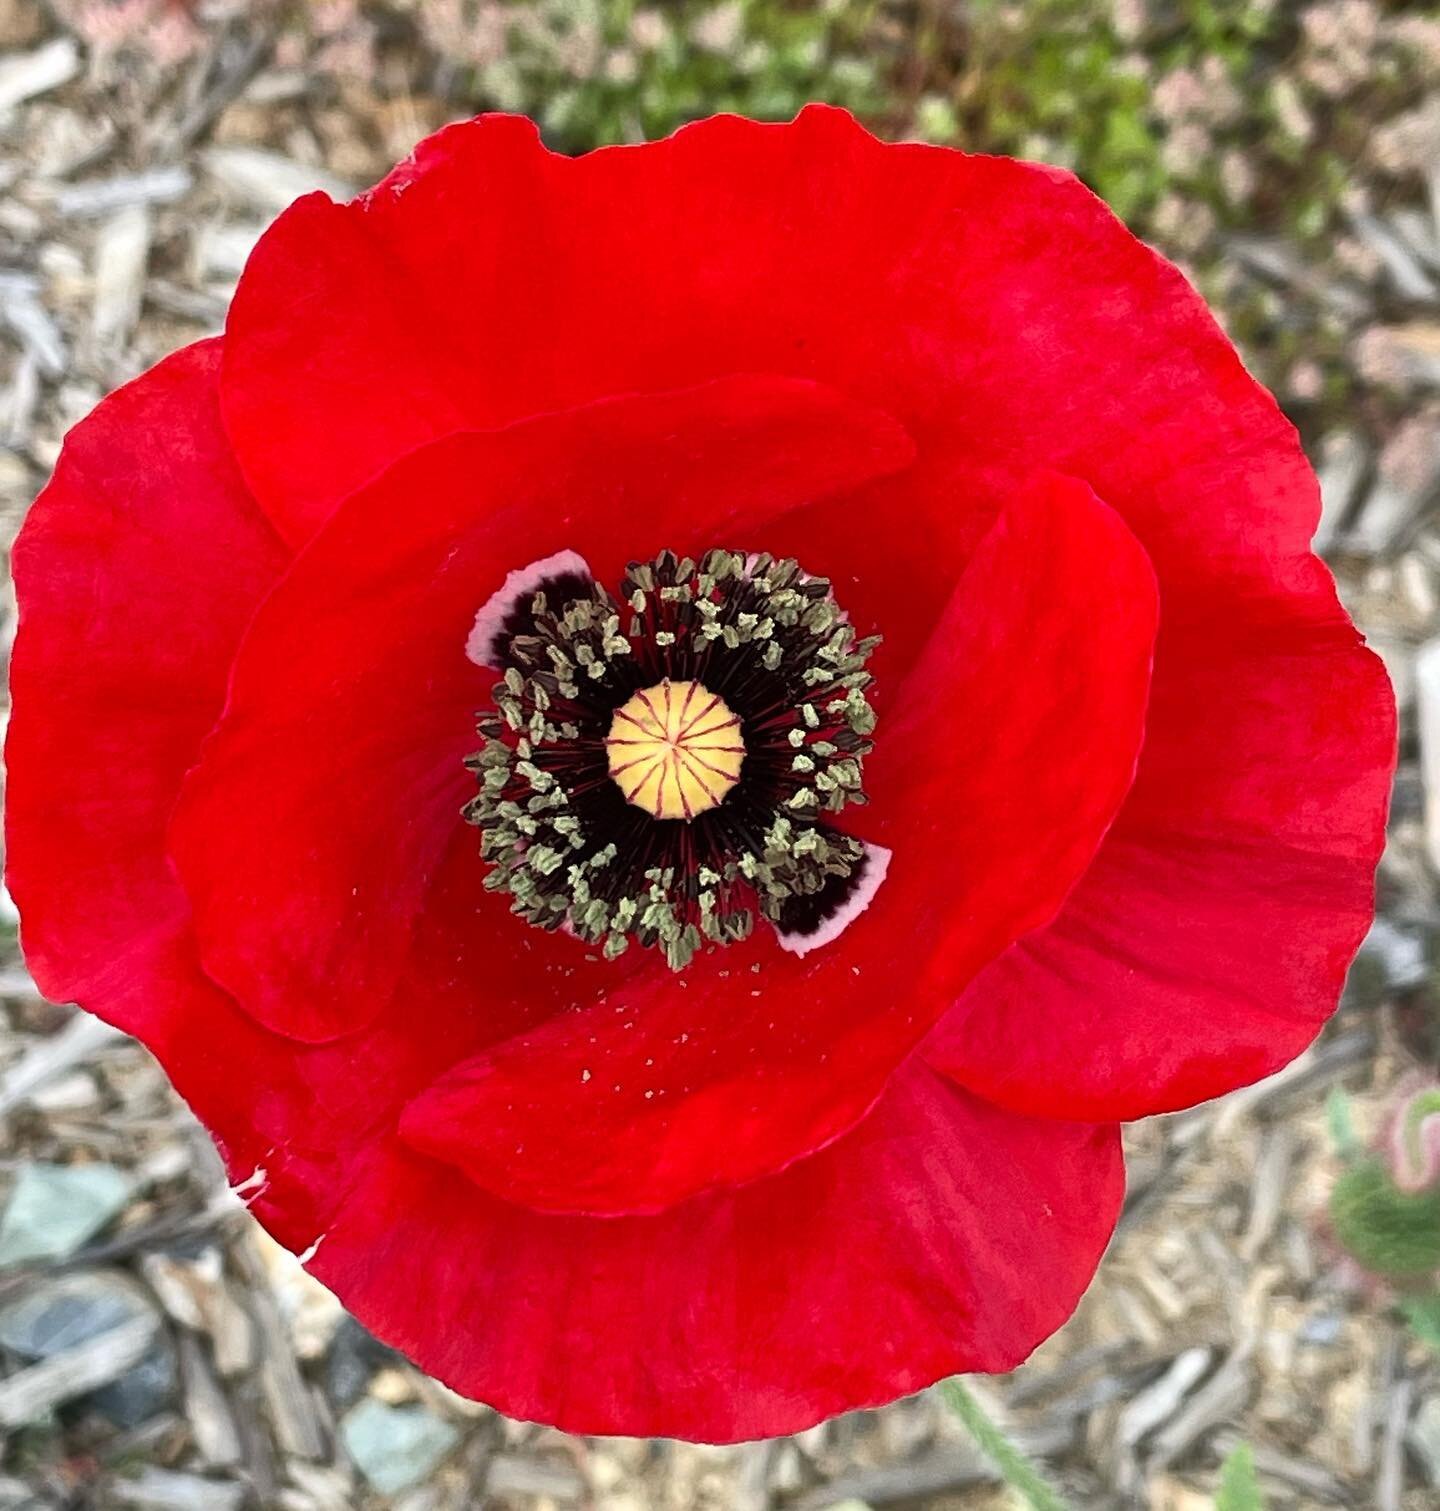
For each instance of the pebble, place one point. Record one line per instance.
(1323, 1330)
(395, 1447)
(54, 1209)
(1400, 954)
(62, 1314)
(353, 1360)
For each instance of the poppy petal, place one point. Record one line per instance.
(312, 829)
(941, 1235)
(997, 308)
(1208, 944)
(137, 570)
(1013, 743)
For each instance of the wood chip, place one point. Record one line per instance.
(163, 1490)
(103, 196)
(28, 74)
(518, 1474)
(292, 1410)
(82, 1039)
(267, 180)
(1268, 1192)
(1222, 1396)
(1159, 1402)
(121, 255)
(1390, 1476)
(936, 1473)
(217, 1438)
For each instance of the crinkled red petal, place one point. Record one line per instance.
(1208, 944)
(941, 1235)
(136, 571)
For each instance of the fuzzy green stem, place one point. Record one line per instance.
(1015, 1469)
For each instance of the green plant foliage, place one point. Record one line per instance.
(1112, 89)
(1239, 1486)
(598, 71)
(1022, 1476)
(1341, 1120)
(1388, 1231)
(1423, 1315)
(1195, 120)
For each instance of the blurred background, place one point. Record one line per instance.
(1270, 1298)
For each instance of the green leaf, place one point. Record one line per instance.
(1389, 1231)
(1423, 1315)
(1339, 1116)
(1239, 1487)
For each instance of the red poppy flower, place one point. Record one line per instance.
(617, 1060)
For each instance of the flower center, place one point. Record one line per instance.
(659, 767)
(675, 749)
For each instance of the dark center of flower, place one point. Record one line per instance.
(659, 767)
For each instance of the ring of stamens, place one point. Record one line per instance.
(660, 767)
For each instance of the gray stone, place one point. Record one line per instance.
(62, 1314)
(1322, 1330)
(53, 1209)
(395, 1447)
(354, 1358)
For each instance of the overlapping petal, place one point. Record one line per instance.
(1024, 345)
(306, 907)
(940, 1235)
(1013, 742)
(997, 308)
(137, 571)
(1208, 944)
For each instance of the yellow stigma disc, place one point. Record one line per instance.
(675, 749)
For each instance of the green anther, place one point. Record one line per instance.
(544, 859)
